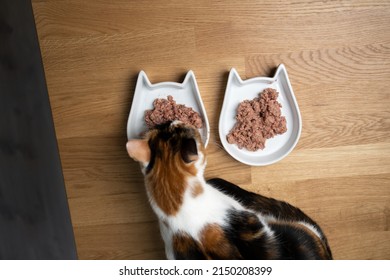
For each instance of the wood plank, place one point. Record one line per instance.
(372, 246)
(328, 65)
(328, 163)
(124, 241)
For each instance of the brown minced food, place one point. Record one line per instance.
(257, 120)
(166, 110)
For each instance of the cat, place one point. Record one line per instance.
(216, 219)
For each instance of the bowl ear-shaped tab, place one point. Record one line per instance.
(234, 76)
(143, 79)
(281, 73)
(189, 78)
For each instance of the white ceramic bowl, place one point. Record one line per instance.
(238, 90)
(186, 93)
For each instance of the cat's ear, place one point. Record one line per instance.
(139, 150)
(189, 150)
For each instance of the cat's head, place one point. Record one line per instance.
(173, 146)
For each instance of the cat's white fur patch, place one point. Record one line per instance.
(311, 228)
(266, 229)
(167, 237)
(210, 207)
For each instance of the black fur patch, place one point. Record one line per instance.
(179, 139)
(296, 244)
(188, 149)
(244, 230)
(259, 203)
(152, 156)
(271, 207)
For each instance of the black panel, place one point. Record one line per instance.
(34, 215)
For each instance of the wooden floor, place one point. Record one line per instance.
(337, 54)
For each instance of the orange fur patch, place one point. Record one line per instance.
(168, 180)
(196, 190)
(169, 174)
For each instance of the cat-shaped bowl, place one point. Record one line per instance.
(237, 91)
(186, 93)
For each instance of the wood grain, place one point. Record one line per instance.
(337, 54)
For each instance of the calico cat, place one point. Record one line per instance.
(216, 219)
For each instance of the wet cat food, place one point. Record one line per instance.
(257, 120)
(167, 110)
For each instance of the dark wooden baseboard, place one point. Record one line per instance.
(34, 215)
